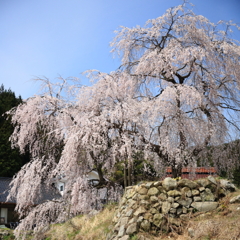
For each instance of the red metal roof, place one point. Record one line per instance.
(194, 173)
(210, 170)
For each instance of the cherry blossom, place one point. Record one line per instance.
(175, 96)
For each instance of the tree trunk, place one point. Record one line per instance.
(129, 174)
(125, 175)
(176, 171)
(102, 181)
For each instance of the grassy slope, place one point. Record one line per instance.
(223, 223)
(83, 227)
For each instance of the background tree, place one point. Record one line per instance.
(176, 93)
(142, 170)
(10, 159)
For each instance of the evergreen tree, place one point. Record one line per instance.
(10, 159)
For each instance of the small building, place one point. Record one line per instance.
(60, 181)
(8, 216)
(7, 213)
(193, 173)
(93, 179)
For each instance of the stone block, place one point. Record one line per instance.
(147, 216)
(197, 199)
(173, 210)
(153, 191)
(184, 210)
(132, 228)
(187, 183)
(145, 225)
(212, 180)
(195, 192)
(173, 193)
(191, 232)
(124, 221)
(144, 202)
(180, 211)
(140, 219)
(153, 210)
(140, 211)
(175, 205)
(166, 207)
(161, 189)
(189, 193)
(185, 202)
(204, 206)
(131, 203)
(204, 182)
(207, 195)
(154, 199)
(143, 197)
(169, 183)
(170, 199)
(133, 220)
(162, 196)
(130, 193)
(149, 185)
(227, 185)
(157, 205)
(158, 219)
(156, 184)
(121, 231)
(126, 237)
(142, 190)
(235, 199)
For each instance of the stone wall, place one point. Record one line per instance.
(153, 206)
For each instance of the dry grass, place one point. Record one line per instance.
(83, 227)
(221, 224)
(207, 227)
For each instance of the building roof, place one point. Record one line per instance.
(47, 193)
(4, 189)
(194, 172)
(209, 170)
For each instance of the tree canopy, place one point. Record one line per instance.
(176, 93)
(10, 159)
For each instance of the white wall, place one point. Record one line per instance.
(60, 184)
(4, 213)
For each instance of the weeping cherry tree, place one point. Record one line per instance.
(176, 94)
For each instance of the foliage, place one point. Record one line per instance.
(176, 93)
(229, 151)
(143, 170)
(10, 159)
(236, 177)
(9, 237)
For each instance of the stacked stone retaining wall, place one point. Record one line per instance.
(152, 206)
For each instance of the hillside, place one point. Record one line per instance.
(222, 223)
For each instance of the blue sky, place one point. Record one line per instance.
(66, 37)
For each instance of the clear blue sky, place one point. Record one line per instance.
(66, 37)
